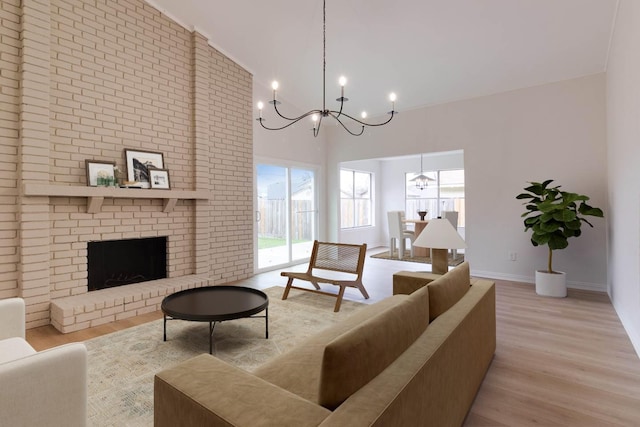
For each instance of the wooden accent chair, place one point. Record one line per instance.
(329, 258)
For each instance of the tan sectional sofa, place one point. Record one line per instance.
(409, 360)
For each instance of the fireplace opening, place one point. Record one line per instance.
(114, 263)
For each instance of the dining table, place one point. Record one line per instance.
(419, 226)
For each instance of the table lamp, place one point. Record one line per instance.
(440, 236)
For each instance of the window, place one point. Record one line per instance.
(355, 199)
(444, 193)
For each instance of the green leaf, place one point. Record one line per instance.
(547, 207)
(585, 209)
(572, 197)
(531, 221)
(564, 215)
(541, 238)
(557, 241)
(573, 225)
(546, 217)
(549, 227)
(535, 190)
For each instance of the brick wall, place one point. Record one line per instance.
(9, 127)
(118, 74)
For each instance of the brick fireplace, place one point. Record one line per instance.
(85, 80)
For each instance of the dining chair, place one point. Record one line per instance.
(398, 234)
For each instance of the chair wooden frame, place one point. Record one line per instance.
(339, 257)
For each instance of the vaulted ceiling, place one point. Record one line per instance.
(426, 51)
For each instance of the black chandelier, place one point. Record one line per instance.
(318, 114)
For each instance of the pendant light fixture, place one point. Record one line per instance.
(345, 120)
(422, 181)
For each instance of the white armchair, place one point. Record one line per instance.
(398, 233)
(46, 388)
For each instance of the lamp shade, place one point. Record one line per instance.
(440, 234)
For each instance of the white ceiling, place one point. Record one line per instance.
(427, 51)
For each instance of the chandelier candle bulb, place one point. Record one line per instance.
(260, 107)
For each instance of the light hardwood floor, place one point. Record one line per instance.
(558, 362)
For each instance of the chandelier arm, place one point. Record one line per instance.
(340, 113)
(341, 105)
(316, 129)
(343, 125)
(293, 121)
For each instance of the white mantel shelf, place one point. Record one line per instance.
(96, 195)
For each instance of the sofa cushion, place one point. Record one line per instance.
(447, 290)
(357, 356)
(298, 370)
(14, 348)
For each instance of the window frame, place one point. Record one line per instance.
(438, 199)
(354, 199)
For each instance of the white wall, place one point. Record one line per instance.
(555, 131)
(623, 113)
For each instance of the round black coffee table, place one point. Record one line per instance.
(215, 304)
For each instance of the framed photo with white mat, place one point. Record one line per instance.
(139, 163)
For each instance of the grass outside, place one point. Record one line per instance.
(274, 242)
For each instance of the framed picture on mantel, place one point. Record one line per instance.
(159, 179)
(100, 173)
(139, 163)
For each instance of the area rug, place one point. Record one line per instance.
(121, 365)
(459, 259)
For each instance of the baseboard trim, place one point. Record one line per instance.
(585, 286)
(632, 332)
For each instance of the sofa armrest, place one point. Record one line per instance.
(12, 318)
(207, 391)
(46, 388)
(407, 282)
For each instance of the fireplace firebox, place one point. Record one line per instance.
(113, 263)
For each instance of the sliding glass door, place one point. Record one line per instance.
(286, 217)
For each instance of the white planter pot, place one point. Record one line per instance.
(551, 284)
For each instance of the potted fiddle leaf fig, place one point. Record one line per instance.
(554, 216)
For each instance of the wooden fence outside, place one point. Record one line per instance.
(273, 214)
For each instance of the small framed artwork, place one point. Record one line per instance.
(159, 178)
(139, 163)
(100, 173)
